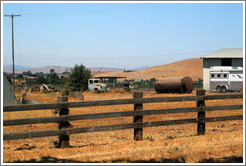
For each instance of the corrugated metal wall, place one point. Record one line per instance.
(9, 97)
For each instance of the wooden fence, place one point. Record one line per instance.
(63, 120)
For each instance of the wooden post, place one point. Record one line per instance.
(201, 113)
(63, 139)
(138, 132)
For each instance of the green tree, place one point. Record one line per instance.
(79, 77)
(19, 76)
(41, 80)
(28, 73)
(52, 71)
(40, 74)
(152, 80)
(52, 77)
(66, 73)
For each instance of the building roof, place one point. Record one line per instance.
(225, 68)
(32, 77)
(109, 77)
(226, 53)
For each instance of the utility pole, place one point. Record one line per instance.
(13, 58)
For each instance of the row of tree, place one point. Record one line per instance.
(76, 80)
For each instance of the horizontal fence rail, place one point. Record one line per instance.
(36, 134)
(115, 102)
(63, 119)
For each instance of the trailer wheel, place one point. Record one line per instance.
(218, 89)
(223, 89)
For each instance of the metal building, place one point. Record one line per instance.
(9, 97)
(225, 57)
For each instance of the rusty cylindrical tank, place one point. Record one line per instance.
(174, 85)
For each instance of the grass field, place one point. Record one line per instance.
(223, 141)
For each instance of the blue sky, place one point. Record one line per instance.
(122, 35)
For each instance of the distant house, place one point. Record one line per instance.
(9, 97)
(224, 57)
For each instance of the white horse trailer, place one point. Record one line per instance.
(224, 79)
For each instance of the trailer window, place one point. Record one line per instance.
(212, 75)
(218, 75)
(91, 81)
(225, 75)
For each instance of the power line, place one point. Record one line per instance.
(128, 57)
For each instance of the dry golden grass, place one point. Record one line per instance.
(175, 143)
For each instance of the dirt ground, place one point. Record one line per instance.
(223, 141)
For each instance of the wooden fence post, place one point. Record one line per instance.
(201, 113)
(63, 139)
(138, 132)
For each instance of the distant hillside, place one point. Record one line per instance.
(45, 69)
(189, 67)
(58, 69)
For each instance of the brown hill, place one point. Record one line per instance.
(189, 67)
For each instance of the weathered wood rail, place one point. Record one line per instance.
(63, 120)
